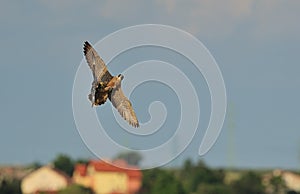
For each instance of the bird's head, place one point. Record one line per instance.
(120, 76)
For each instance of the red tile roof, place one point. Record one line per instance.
(116, 166)
(81, 169)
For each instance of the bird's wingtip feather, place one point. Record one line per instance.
(86, 47)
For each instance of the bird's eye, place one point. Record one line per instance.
(119, 75)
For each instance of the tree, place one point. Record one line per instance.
(10, 186)
(194, 175)
(76, 189)
(214, 188)
(250, 182)
(188, 164)
(64, 163)
(82, 161)
(131, 157)
(160, 181)
(34, 165)
(277, 184)
(292, 192)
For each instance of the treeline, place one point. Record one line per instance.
(191, 178)
(200, 179)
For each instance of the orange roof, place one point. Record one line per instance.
(100, 165)
(81, 169)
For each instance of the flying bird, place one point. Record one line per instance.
(107, 86)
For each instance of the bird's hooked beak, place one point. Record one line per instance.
(121, 76)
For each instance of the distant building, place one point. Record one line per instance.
(291, 180)
(105, 178)
(13, 172)
(46, 180)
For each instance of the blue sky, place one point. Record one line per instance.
(256, 45)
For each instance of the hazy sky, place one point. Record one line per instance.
(255, 43)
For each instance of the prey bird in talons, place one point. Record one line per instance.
(107, 86)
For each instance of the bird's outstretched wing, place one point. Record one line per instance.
(96, 64)
(123, 105)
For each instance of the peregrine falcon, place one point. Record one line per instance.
(107, 86)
